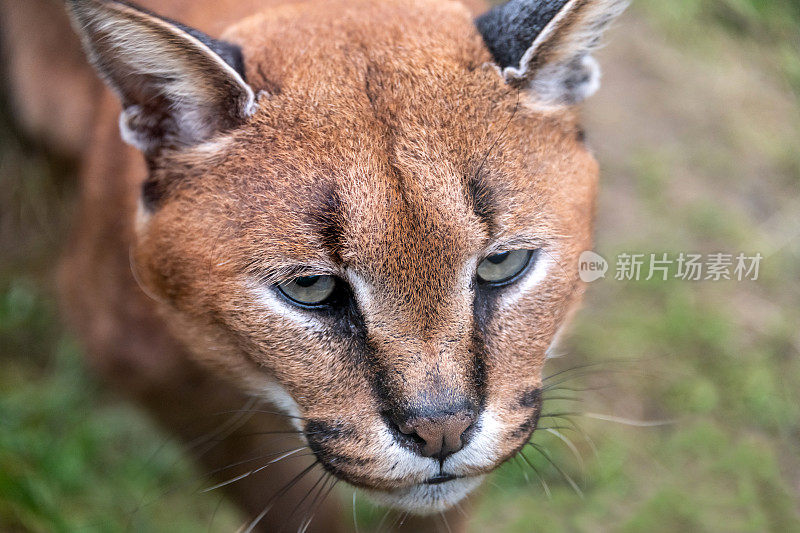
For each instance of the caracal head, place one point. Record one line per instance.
(369, 213)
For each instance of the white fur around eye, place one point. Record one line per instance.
(361, 288)
(265, 297)
(530, 280)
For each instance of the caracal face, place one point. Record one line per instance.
(384, 243)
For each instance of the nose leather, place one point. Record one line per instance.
(441, 434)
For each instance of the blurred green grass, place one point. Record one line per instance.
(713, 167)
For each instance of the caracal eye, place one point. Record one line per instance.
(505, 267)
(309, 290)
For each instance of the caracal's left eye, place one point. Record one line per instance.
(309, 290)
(505, 267)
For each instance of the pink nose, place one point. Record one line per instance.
(439, 435)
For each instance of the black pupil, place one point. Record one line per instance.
(307, 281)
(497, 259)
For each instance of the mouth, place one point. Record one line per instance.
(440, 478)
(394, 476)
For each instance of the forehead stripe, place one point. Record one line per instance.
(326, 220)
(480, 197)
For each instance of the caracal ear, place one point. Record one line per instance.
(178, 86)
(545, 46)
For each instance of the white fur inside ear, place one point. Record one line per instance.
(566, 84)
(132, 135)
(593, 75)
(175, 89)
(558, 68)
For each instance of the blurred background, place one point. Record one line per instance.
(682, 408)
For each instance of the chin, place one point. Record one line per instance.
(424, 498)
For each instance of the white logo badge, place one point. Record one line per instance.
(592, 266)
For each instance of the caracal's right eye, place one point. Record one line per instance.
(309, 290)
(503, 268)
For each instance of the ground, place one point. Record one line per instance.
(688, 393)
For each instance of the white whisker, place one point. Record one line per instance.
(254, 471)
(569, 445)
(628, 421)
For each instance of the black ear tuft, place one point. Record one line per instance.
(178, 87)
(228, 52)
(545, 45)
(510, 29)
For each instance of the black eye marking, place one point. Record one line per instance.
(479, 355)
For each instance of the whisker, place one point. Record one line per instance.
(497, 485)
(264, 411)
(575, 389)
(545, 486)
(229, 425)
(571, 447)
(303, 499)
(581, 374)
(216, 510)
(544, 428)
(172, 490)
(628, 421)
(498, 138)
(566, 476)
(398, 516)
(565, 398)
(355, 518)
(232, 424)
(610, 418)
(573, 426)
(314, 505)
(279, 495)
(446, 523)
(593, 364)
(240, 463)
(591, 370)
(559, 414)
(524, 472)
(383, 520)
(254, 471)
(275, 432)
(586, 367)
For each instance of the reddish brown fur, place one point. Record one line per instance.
(391, 125)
